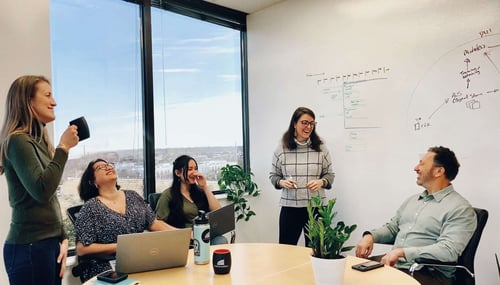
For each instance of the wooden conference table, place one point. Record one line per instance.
(266, 263)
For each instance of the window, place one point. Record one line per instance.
(197, 94)
(97, 52)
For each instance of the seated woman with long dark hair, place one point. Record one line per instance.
(189, 192)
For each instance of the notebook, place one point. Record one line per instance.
(221, 220)
(152, 250)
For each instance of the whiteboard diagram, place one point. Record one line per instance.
(462, 82)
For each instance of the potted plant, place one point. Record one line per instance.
(327, 241)
(238, 184)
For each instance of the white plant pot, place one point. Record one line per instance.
(328, 271)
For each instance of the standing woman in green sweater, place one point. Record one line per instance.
(36, 245)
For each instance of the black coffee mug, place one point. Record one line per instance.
(221, 261)
(83, 128)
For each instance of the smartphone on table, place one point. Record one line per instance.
(112, 276)
(368, 265)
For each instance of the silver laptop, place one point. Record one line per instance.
(221, 220)
(152, 250)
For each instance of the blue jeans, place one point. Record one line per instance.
(33, 263)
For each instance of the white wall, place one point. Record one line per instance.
(24, 49)
(406, 58)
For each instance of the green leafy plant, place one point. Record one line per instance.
(326, 241)
(238, 184)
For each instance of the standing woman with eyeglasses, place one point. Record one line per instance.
(36, 246)
(107, 213)
(301, 169)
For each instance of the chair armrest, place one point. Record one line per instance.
(421, 262)
(434, 262)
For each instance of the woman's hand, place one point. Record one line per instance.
(63, 253)
(69, 138)
(315, 185)
(200, 180)
(289, 183)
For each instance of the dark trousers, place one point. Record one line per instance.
(292, 223)
(426, 275)
(33, 263)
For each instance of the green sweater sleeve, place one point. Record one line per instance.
(37, 172)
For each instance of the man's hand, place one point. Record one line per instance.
(365, 246)
(392, 256)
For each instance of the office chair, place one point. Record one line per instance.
(73, 212)
(153, 200)
(498, 264)
(464, 275)
(85, 260)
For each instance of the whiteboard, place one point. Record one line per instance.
(387, 79)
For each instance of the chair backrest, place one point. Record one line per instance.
(73, 212)
(153, 200)
(498, 264)
(467, 257)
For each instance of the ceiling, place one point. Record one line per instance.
(247, 6)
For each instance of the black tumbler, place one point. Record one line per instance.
(221, 261)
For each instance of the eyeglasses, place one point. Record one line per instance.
(306, 123)
(104, 166)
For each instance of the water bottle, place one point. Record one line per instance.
(201, 230)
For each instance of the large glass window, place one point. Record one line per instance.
(96, 73)
(197, 94)
(97, 51)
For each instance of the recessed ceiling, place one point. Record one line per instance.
(247, 6)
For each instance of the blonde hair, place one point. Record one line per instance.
(19, 115)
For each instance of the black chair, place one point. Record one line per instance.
(498, 264)
(464, 275)
(153, 200)
(85, 260)
(73, 212)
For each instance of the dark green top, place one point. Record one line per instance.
(163, 209)
(32, 178)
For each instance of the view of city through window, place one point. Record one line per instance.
(96, 73)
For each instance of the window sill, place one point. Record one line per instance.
(219, 194)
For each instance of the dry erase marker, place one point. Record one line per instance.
(290, 177)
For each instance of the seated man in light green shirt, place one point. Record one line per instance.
(435, 224)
